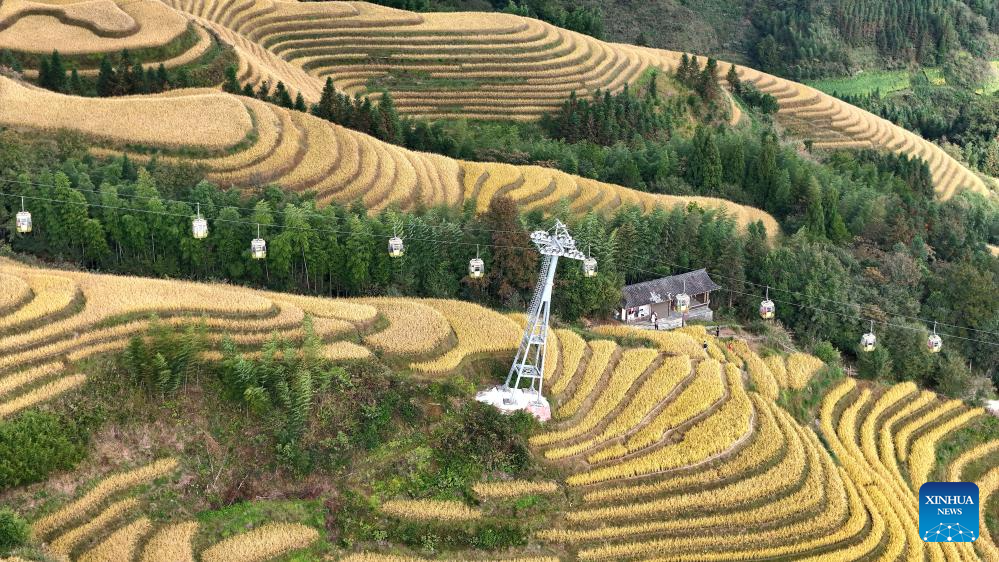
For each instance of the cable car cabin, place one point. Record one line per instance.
(476, 268)
(934, 343)
(659, 297)
(258, 249)
(590, 267)
(868, 342)
(23, 222)
(395, 247)
(199, 228)
(768, 309)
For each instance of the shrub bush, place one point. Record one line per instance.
(14, 531)
(35, 444)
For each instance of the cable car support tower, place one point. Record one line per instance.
(529, 363)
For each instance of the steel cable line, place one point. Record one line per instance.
(247, 209)
(857, 317)
(477, 229)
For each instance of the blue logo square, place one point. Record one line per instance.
(948, 511)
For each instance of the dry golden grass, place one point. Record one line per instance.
(800, 369)
(263, 543)
(430, 510)
(104, 489)
(171, 544)
(14, 292)
(374, 557)
(478, 331)
(26, 377)
(344, 351)
(213, 121)
(513, 488)
(120, 545)
(41, 394)
(414, 328)
(52, 293)
(64, 543)
(96, 26)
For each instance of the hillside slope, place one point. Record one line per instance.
(493, 66)
(248, 143)
(677, 448)
(483, 65)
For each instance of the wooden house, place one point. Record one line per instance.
(641, 300)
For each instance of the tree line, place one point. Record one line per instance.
(119, 75)
(810, 38)
(965, 123)
(904, 254)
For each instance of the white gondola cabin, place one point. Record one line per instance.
(768, 310)
(869, 341)
(22, 220)
(395, 247)
(590, 267)
(476, 268)
(258, 247)
(934, 343)
(199, 226)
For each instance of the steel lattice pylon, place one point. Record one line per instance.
(529, 363)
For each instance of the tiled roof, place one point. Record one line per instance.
(660, 290)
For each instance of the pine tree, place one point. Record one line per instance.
(231, 82)
(123, 73)
(327, 100)
(137, 79)
(162, 78)
(815, 216)
(734, 81)
(75, 84)
(248, 90)
(683, 71)
(264, 90)
(106, 81)
(835, 227)
(513, 271)
(281, 96)
(707, 83)
(765, 171)
(57, 73)
(300, 102)
(44, 79)
(150, 82)
(711, 160)
(389, 118)
(183, 79)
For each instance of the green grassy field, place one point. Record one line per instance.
(864, 83)
(993, 85)
(887, 81)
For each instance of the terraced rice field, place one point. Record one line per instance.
(489, 66)
(687, 463)
(453, 65)
(57, 319)
(676, 449)
(246, 142)
(106, 524)
(832, 124)
(90, 26)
